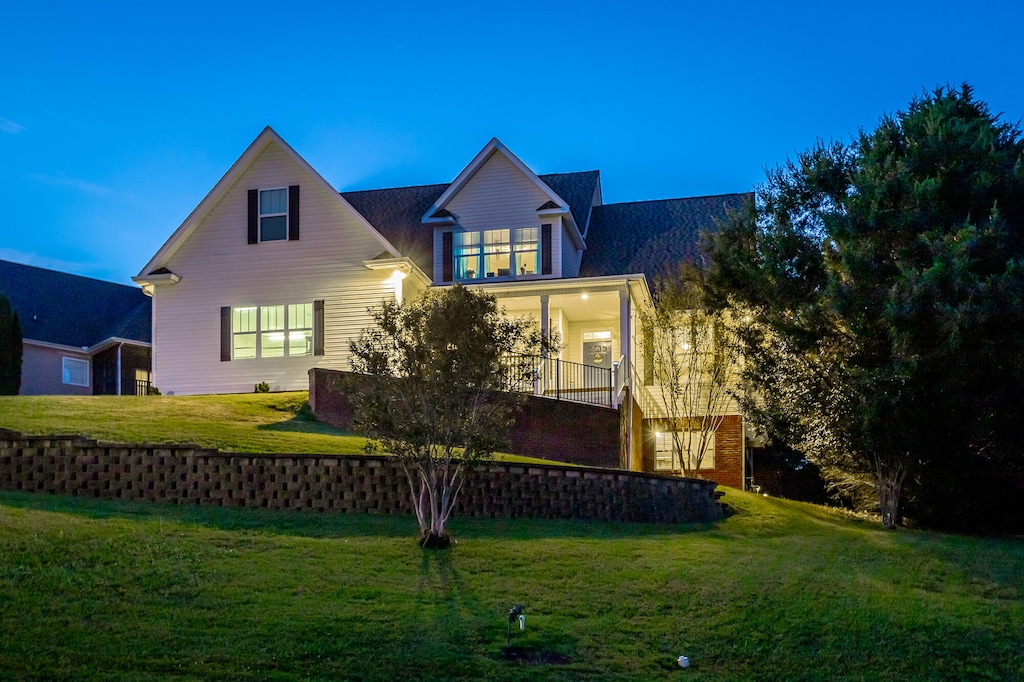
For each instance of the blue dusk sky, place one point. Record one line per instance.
(116, 119)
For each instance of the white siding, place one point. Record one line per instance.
(498, 196)
(570, 256)
(219, 268)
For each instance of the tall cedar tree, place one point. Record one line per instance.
(10, 348)
(886, 284)
(433, 391)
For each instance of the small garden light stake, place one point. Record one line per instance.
(514, 614)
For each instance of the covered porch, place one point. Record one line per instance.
(596, 320)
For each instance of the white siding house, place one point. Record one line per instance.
(209, 266)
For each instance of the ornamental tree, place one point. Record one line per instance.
(433, 392)
(885, 281)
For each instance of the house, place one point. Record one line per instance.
(274, 271)
(81, 336)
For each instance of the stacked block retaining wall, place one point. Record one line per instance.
(179, 474)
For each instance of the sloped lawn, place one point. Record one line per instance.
(247, 422)
(96, 589)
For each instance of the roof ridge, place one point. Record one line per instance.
(655, 201)
(67, 274)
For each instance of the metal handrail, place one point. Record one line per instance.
(559, 379)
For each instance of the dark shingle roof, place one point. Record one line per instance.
(397, 212)
(651, 237)
(57, 307)
(578, 190)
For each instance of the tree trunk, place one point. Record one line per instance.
(889, 482)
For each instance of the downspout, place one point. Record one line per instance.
(120, 343)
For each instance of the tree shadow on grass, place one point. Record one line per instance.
(336, 525)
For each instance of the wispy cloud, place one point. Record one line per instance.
(61, 180)
(8, 126)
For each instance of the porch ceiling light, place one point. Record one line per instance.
(584, 297)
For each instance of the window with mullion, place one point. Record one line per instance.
(526, 249)
(497, 253)
(273, 331)
(273, 215)
(467, 255)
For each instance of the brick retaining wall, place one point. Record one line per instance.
(557, 430)
(181, 474)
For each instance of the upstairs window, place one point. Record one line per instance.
(496, 253)
(273, 215)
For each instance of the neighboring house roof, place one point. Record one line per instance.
(69, 310)
(652, 237)
(397, 213)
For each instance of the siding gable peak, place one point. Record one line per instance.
(437, 214)
(264, 140)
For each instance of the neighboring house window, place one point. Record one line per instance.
(273, 215)
(666, 459)
(272, 331)
(496, 253)
(75, 372)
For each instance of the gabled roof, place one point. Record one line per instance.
(69, 310)
(652, 237)
(496, 147)
(267, 137)
(397, 212)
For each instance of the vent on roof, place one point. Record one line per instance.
(549, 205)
(442, 213)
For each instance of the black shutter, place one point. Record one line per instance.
(446, 256)
(225, 334)
(545, 249)
(318, 327)
(254, 216)
(293, 213)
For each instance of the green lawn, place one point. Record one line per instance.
(103, 590)
(247, 422)
(97, 589)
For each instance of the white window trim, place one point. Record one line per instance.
(708, 463)
(260, 215)
(286, 331)
(65, 372)
(481, 254)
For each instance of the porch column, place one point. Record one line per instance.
(119, 389)
(544, 314)
(625, 326)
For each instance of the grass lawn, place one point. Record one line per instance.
(104, 590)
(247, 422)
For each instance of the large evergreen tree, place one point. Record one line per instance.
(886, 281)
(10, 348)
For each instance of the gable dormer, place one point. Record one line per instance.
(499, 221)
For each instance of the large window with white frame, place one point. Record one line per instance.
(503, 252)
(74, 371)
(273, 214)
(668, 458)
(272, 331)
